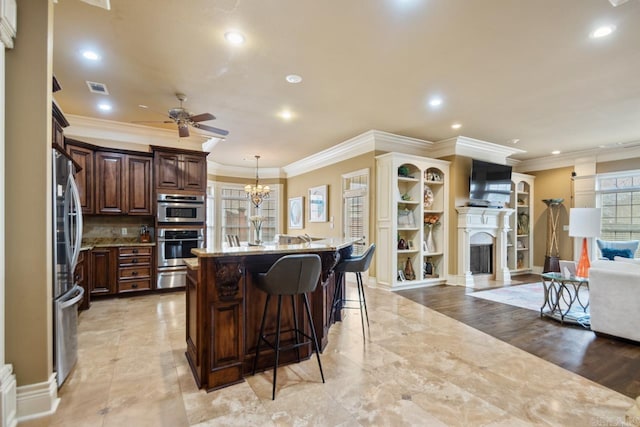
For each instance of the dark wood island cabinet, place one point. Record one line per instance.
(224, 309)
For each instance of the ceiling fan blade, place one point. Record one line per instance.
(152, 121)
(211, 129)
(202, 117)
(183, 131)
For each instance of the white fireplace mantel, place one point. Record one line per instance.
(492, 221)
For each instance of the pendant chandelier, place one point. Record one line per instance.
(257, 192)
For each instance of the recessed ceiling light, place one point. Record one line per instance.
(90, 55)
(435, 102)
(555, 152)
(142, 106)
(515, 140)
(234, 37)
(104, 107)
(456, 126)
(286, 114)
(293, 78)
(602, 31)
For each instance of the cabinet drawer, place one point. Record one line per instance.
(142, 272)
(134, 251)
(134, 261)
(134, 285)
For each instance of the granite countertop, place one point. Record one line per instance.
(191, 263)
(328, 244)
(103, 242)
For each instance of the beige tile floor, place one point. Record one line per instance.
(418, 367)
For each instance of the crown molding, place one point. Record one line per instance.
(214, 168)
(629, 150)
(8, 22)
(475, 148)
(366, 142)
(128, 135)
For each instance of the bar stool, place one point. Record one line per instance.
(357, 265)
(290, 275)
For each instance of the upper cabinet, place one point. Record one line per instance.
(85, 178)
(178, 170)
(412, 234)
(124, 183)
(520, 238)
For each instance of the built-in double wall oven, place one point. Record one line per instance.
(181, 225)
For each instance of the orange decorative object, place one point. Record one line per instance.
(583, 265)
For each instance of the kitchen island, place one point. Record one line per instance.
(224, 308)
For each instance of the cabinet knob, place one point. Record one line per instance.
(135, 285)
(135, 251)
(134, 273)
(134, 261)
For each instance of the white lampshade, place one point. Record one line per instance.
(584, 222)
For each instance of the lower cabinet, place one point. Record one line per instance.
(134, 268)
(104, 270)
(81, 277)
(118, 270)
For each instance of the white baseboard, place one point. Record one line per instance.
(8, 413)
(37, 400)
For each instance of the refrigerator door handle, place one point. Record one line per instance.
(75, 213)
(73, 300)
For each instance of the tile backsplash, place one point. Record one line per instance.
(115, 227)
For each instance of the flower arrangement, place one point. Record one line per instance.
(432, 220)
(257, 220)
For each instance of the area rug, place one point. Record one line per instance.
(531, 297)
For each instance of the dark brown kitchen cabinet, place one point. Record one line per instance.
(135, 268)
(139, 185)
(180, 170)
(81, 277)
(104, 270)
(123, 184)
(84, 179)
(110, 183)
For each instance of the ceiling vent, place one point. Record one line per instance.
(100, 88)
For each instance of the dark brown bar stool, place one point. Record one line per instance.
(357, 265)
(290, 275)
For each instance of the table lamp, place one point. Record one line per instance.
(585, 223)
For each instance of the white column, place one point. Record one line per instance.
(502, 269)
(8, 417)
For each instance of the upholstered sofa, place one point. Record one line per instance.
(614, 297)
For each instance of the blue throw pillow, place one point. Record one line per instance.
(612, 253)
(631, 245)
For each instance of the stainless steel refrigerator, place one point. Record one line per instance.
(67, 238)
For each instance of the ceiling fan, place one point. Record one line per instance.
(184, 118)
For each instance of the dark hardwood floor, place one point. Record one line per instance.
(610, 362)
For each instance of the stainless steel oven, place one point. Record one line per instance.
(180, 208)
(174, 246)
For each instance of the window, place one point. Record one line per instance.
(211, 218)
(236, 209)
(619, 198)
(355, 193)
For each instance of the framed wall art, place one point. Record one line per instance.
(296, 212)
(318, 204)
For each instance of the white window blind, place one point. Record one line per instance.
(355, 195)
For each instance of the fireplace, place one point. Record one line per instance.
(482, 244)
(481, 259)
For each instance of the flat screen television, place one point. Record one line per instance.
(489, 185)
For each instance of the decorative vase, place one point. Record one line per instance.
(431, 243)
(258, 235)
(409, 274)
